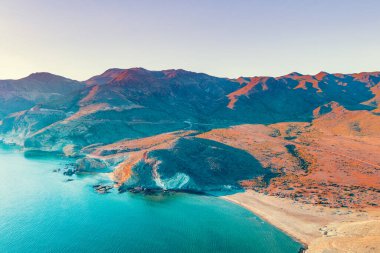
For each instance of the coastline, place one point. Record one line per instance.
(318, 229)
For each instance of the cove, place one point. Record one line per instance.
(40, 211)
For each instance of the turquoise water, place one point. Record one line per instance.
(41, 212)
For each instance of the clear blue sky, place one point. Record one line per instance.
(81, 38)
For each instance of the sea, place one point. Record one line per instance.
(42, 210)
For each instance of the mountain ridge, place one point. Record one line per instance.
(174, 129)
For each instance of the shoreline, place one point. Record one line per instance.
(247, 207)
(317, 229)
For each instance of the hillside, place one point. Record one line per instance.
(22, 94)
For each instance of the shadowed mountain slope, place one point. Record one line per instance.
(17, 95)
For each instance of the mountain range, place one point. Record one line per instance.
(180, 130)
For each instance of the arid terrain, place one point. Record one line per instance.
(312, 165)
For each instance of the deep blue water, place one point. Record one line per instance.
(41, 212)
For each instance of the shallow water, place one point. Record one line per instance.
(41, 212)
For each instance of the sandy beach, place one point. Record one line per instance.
(320, 229)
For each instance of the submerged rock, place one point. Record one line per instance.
(102, 189)
(69, 170)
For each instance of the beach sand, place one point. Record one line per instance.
(320, 229)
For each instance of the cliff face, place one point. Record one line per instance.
(141, 124)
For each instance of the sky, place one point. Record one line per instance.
(226, 38)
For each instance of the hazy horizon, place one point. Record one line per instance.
(204, 72)
(80, 39)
